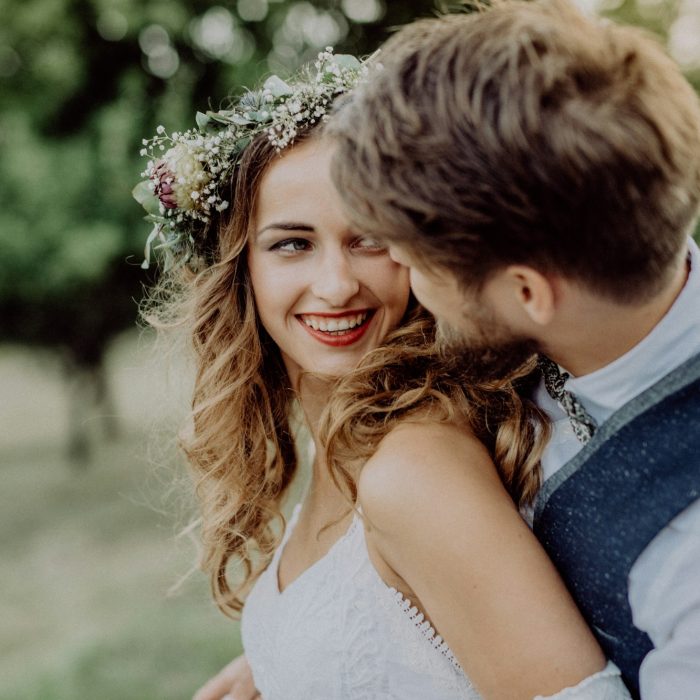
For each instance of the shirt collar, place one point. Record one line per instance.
(673, 340)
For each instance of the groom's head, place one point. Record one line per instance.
(523, 139)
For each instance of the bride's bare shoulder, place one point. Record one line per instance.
(420, 466)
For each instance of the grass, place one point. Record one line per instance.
(89, 555)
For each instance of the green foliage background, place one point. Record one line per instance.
(78, 90)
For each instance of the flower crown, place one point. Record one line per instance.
(186, 172)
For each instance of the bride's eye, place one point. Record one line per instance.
(291, 245)
(369, 243)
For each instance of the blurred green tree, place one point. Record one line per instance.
(82, 81)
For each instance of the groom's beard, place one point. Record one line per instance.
(490, 352)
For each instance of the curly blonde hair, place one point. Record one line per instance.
(241, 447)
(408, 378)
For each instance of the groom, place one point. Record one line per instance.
(539, 173)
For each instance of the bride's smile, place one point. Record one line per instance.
(324, 293)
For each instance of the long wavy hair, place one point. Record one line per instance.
(241, 446)
(408, 378)
(240, 442)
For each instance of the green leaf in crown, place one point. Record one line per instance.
(186, 172)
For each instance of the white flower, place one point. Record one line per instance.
(187, 171)
(188, 176)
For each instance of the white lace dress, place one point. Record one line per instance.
(338, 632)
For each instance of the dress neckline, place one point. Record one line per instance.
(280, 592)
(412, 613)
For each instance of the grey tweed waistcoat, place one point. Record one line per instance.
(599, 512)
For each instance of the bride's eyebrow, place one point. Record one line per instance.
(286, 226)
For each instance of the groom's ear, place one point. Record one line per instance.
(533, 292)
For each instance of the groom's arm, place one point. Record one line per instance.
(233, 682)
(664, 594)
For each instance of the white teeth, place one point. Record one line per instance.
(333, 325)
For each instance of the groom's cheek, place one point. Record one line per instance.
(429, 291)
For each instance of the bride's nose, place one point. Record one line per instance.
(334, 280)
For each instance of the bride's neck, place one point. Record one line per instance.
(323, 495)
(314, 394)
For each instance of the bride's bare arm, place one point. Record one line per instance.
(440, 519)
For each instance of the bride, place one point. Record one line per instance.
(406, 571)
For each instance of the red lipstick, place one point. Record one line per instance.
(339, 338)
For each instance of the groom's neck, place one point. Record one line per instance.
(592, 331)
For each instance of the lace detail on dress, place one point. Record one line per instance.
(342, 623)
(424, 627)
(362, 676)
(338, 632)
(604, 685)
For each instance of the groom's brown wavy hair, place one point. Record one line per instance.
(526, 133)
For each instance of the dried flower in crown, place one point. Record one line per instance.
(186, 172)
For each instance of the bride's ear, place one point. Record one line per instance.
(533, 292)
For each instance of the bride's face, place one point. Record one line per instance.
(325, 294)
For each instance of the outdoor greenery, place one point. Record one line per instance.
(89, 562)
(89, 555)
(81, 83)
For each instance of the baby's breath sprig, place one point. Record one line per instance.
(186, 172)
